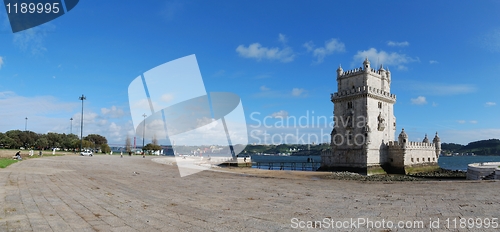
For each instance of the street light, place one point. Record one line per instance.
(81, 123)
(71, 126)
(26, 124)
(143, 131)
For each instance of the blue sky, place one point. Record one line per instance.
(280, 57)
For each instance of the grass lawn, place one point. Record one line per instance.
(6, 162)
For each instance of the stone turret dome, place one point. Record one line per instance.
(366, 61)
(403, 134)
(426, 140)
(436, 139)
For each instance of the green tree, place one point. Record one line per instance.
(15, 136)
(105, 148)
(6, 141)
(96, 140)
(150, 148)
(86, 144)
(55, 139)
(68, 141)
(42, 143)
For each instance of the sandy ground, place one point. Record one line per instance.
(109, 193)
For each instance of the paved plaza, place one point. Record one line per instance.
(109, 193)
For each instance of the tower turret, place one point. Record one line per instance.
(403, 138)
(366, 65)
(426, 140)
(437, 143)
(340, 71)
(388, 73)
(382, 71)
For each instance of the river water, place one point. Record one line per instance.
(446, 162)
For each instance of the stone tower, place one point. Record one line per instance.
(364, 119)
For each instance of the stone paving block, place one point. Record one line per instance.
(113, 221)
(102, 194)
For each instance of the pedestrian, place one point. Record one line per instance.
(17, 156)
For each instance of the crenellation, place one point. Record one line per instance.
(363, 90)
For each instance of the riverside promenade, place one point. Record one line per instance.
(109, 193)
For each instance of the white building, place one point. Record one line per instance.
(362, 139)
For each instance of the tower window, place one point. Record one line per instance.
(349, 105)
(380, 105)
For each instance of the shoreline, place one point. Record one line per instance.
(441, 175)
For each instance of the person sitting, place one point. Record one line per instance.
(17, 156)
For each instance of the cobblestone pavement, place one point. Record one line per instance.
(109, 193)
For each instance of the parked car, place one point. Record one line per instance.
(86, 153)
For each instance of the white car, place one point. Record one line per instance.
(86, 153)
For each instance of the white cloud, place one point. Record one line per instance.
(431, 88)
(433, 62)
(280, 114)
(264, 88)
(309, 46)
(32, 40)
(49, 114)
(171, 9)
(113, 112)
(331, 46)
(1, 62)
(220, 73)
(257, 51)
(491, 40)
(263, 76)
(471, 121)
(297, 92)
(420, 100)
(397, 59)
(398, 44)
(168, 97)
(282, 38)
(490, 104)
(434, 104)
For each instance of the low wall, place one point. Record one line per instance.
(478, 171)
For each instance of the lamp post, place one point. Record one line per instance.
(144, 131)
(81, 123)
(26, 124)
(71, 126)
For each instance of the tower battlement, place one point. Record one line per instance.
(411, 145)
(380, 73)
(362, 90)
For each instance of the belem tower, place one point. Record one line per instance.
(362, 139)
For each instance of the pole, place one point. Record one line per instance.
(144, 130)
(81, 123)
(26, 124)
(71, 126)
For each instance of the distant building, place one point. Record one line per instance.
(362, 139)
